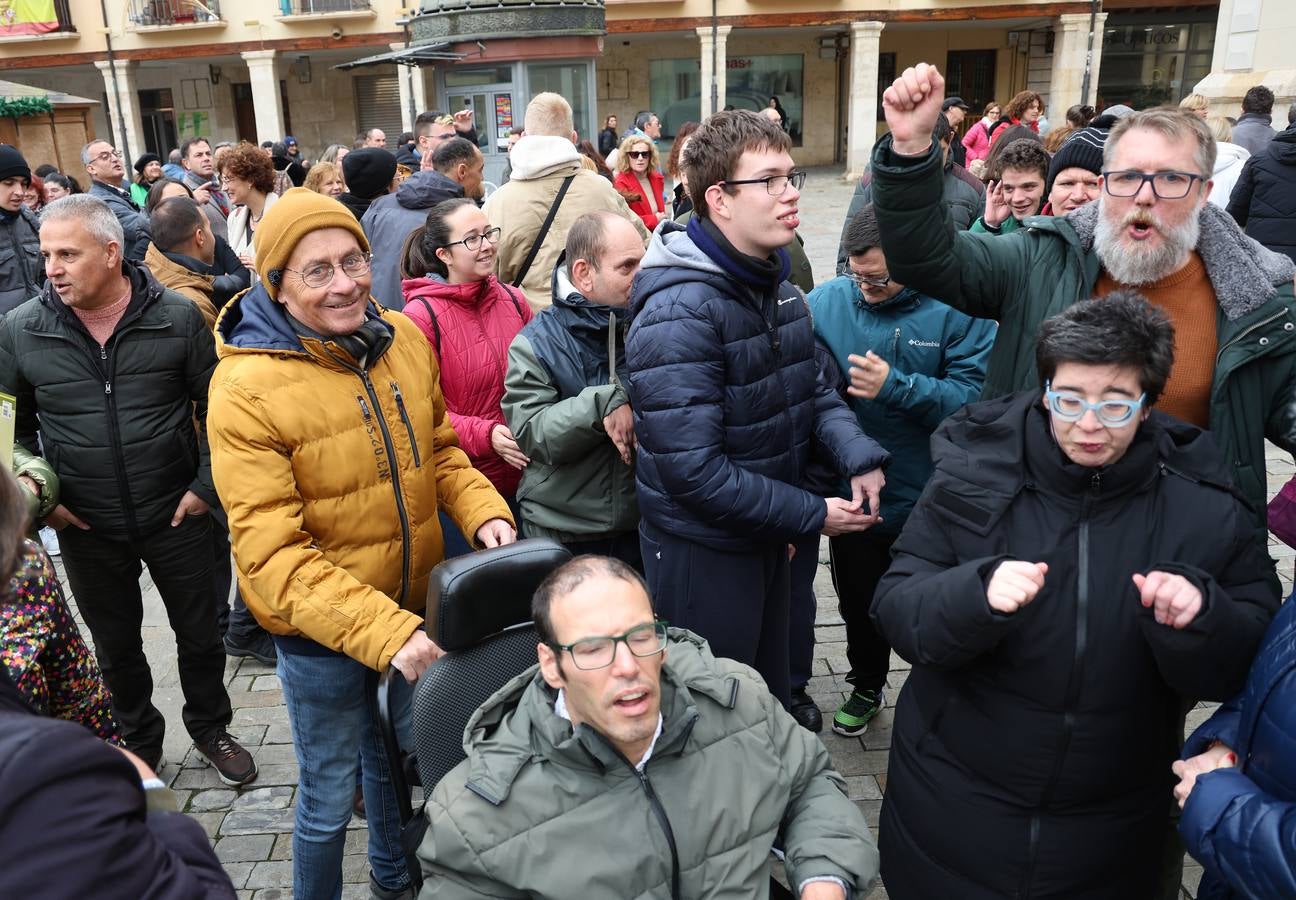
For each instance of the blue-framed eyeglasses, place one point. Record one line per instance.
(1070, 408)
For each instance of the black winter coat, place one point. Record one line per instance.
(21, 270)
(1264, 199)
(117, 422)
(728, 403)
(75, 823)
(1031, 752)
(134, 222)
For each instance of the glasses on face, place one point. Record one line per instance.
(1070, 408)
(107, 155)
(321, 274)
(639, 154)
(474, 241)
(1165, 185)
(776, 185)
(875, 281)
(647, 639)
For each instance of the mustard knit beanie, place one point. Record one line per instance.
(294, 215)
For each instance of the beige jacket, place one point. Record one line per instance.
(540, 163)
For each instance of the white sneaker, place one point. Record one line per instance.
(49, 537)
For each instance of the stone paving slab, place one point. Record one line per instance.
(251, 829)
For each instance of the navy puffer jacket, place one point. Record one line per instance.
(728, 402)
(1240, 823)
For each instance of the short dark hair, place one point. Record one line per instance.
(174, 221)
(418, 254)
(1258, 100)
(569, 576)
(643, 117)
(1121, 329)
(713, 152)
(187, 143)
(587, 238)
(942, 131)
(1024, 155)
(154, 196)
(862, 233)
(449, 154)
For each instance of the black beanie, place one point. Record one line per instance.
(145, 160)
(368, 172)
(1082, 150)
(12, 163)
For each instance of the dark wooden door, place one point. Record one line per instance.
(970, 74)
(244, 112)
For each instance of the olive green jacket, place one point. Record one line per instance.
(38, 470)
(540, 811)
(1021, 279)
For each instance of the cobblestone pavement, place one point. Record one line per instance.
(251, 829)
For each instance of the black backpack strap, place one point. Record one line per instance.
(544, 231)
(436, 328)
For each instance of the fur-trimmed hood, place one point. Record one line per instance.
(1244, 274)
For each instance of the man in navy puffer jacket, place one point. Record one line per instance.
(728, 403)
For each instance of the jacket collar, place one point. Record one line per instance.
(145, 291)
(538, 155)
(1243, 274)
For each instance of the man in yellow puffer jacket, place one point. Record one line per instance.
(332, 452)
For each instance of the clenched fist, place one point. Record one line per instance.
(1015, 584)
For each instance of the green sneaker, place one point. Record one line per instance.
(853, 718)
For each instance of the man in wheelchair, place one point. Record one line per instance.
(633, 763)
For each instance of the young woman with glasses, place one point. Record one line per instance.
(640, 181)
(470, 318)
(1078, 572)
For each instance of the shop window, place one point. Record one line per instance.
(572, 81)
(675, 88)
(455, 77)
(1148, 62)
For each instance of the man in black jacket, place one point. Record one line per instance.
(728, 403)
(108, 183)
(1264, 198)
(21, 272)
(80, 815)
(116, 368)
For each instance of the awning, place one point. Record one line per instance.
(417, 55)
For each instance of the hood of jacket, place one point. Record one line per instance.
(1230, 155)
(673, 258)
(588, 313)
(518, 724)
(539, 155)
(424, 190)
(1283, 147)
(1244, 274)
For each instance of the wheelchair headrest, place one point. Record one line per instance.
(474, 596)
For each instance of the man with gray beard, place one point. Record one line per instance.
(1151, 230)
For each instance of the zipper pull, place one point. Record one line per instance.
(396, 392)
(103, 352)
(1095, 483)
(107, 387)
(364, 408)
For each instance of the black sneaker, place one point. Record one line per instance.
(804, 710)
(261, 648)
(853, 718)
(232, 763)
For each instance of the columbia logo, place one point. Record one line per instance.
(917, 343)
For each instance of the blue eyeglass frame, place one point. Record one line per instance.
(1131, 407)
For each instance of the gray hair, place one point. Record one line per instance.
(1172, 123)
(85, 151)
(93, 214)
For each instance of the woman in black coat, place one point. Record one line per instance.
(1077, 572)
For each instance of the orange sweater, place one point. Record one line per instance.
(1186, 296)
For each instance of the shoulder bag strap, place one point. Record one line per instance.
(436, 328)
(544, 230)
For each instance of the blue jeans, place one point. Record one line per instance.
(331, 708)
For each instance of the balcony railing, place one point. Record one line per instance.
(307, 7)
(150, 13)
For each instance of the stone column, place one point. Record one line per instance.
(861, 129)
(721, 38)
(124, 89)
(266, 99)
(1070, 52)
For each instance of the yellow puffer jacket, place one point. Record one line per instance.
(331, 477)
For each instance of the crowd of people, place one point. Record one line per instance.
(1029, 415)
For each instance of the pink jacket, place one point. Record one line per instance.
(470, 327)
(977, 141)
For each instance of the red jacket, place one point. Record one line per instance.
(644, 207)
(470, 327)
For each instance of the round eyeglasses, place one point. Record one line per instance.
(321, 274)
(474, 241)
(776, 185)
(1165, 185)
(1070, 408)
(647, 639)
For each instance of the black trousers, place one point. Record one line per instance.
(739, 601)
(104, 573)
(233, 617)
(858, 563)
(624, 546)
(801, 636)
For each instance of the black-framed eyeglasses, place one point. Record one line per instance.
(639, 154)
(321, 274)
(877, 281)
(474, 241)
(1165, 185)
(776, 185)
(647, 639)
